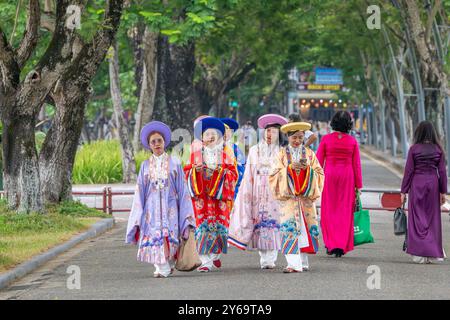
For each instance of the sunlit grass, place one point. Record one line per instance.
(23, 236)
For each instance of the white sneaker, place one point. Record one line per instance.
(419, 260)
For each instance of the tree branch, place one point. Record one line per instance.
(9, 68)
(431, 17)
(233, 83)
(31, 36)
(16, 20)
(93, 53)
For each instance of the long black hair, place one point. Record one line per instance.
(426, 133)
(342, 122)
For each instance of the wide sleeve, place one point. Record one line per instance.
(137, 208)
(409, 171)
(278, 178)
(194, 178)
(185, 208)
(356, 161)
(241, 221)
(318, 179)
(442, 175)
(230, 177)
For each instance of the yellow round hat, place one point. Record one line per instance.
(295, 126)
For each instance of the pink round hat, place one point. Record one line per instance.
(271, 118)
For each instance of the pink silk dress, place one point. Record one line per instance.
(338, 154)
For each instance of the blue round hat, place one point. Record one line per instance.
(208, 123)
(231, 123)
(155, 126)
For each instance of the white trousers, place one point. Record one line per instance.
(297, 261)
(207, 259)
(165, 268)
(268, 258)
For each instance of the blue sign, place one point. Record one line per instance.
(328, 76)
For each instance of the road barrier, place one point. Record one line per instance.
(389, 199)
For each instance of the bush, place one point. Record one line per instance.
(101, 162)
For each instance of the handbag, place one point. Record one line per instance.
(400, 223)
(361, 227)
(187, 255)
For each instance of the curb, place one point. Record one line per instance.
(23, 269)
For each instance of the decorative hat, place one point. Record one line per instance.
(200, 118)
(295, 126)
(155, 126)
(231, 123)
(208, 123)
(269, 119)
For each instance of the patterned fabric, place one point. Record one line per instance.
(254, 221)
(161, 210)
(212, 192)
(297, 193)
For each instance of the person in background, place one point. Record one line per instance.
(248, 131)
(310, 137)
(162, 210)
(211, 176)
(231, 126)
(338, 154)
(425, 182)
(255, 219)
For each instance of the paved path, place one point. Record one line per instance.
(109, 270)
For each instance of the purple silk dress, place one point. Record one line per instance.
(162, 210)
(424, 179)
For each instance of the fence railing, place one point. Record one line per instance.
(389, 199)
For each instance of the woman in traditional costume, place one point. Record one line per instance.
(231, 126)
(162, 210)
(425, 182)
(296, 177)
(255, 219)
(338, 153)
(212, 176)
(194, 146)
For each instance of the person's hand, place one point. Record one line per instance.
(402, 198)
(443, 199)
(297, 166)
(303, 165)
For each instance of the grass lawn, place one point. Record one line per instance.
(23, 236)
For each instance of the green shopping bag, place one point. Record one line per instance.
(361, 226)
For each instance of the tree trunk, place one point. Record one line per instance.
(57, 155)
(21, 171)
(128, 161)
(175, 102)
(146, 103)
(64, 62)
(431, 67)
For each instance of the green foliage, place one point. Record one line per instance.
(60, 217)
(101, 162)
(181, 21)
